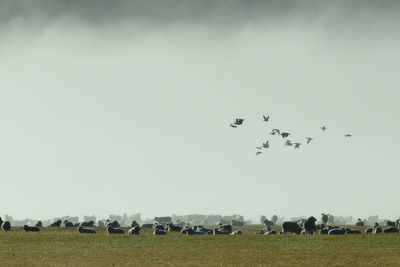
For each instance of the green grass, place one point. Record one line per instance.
(66, 247)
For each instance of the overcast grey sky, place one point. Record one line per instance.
(124, 106)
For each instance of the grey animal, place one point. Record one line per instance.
(274, 219)
(284, 135)
(31, 228)
(348, 135)
(159, 232)
(309, 139)
(135, 230)
(233, 126)
(309, 225)
(111, 230)
(266, 118)
(258, 153)
(83, 230)
(292, 227)
(323, 128)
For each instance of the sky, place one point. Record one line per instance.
(111, 107)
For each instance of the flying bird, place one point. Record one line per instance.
(272, 133)
(284, 135)
(266, 118)
(297, 145)
(288, 143)
(348, 135)
(266, 145)
(233, 126)
(309, 139)
(323, 128)
(239, 121)
(259, 147)
(258, 153)
(276, 131)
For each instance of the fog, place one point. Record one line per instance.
(109, 107)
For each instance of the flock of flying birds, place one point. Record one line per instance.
(278, 132)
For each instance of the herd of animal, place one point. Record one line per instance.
(238, 122)
(163, 225)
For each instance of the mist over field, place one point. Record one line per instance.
(109, 107)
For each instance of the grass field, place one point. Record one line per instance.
(66, 247)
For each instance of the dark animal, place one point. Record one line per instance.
(31, 228)
(359, 222)
(6, 226)
(39, 224)
(292, 227)
(220, 232)
(368, 230)
(173, 228)
(112, 230)
(237, 222)
(391, 229)
(390, 223)
(238, 121)
(353, 231)
(134, 223)
(226, 228)
(158, 226)
(159, 232)
(337, 231)
(324, 218)
(68, 224)
(56, 223)
(309, 225)
(83, 230)
(114, 224)
(268, 223)
(324, 231)
(87, 224)
(237, 232)
(134, 230)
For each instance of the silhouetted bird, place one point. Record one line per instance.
(284, 135)
(323, 128)
(266, 118)
(297, 145)
(239, 121)
(233, 126)
(258, 153)
(288, 143)
(276, 131)
(273, 133)
(258, 147)
(348, 135)
(309, 139)
(266, 145)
